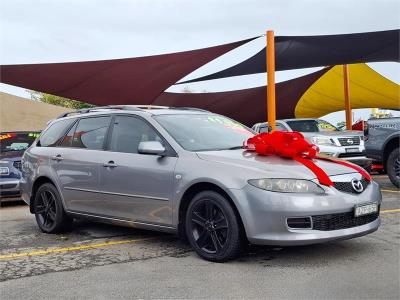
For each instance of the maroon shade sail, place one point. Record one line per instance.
(295, 52)
(118, 81)
(247, 106)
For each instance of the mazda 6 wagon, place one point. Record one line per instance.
(184, 171)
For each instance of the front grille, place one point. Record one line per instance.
(8, 186)
(349, 141)
(346, 187)
(341, 221)
(299, 222)
(344, 155)
(17, 164)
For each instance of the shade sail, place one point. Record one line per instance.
(310, 96)
(367, 89)
(248, 105)
(116, 81)
(294, 52)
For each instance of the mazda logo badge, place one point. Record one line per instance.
(350, 141)
(357, 185)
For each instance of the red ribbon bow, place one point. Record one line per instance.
(293, 145)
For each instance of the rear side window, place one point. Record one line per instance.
(55, 133)
(128, 132)
(67, 141)
(90, 133)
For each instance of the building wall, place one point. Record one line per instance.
(20, 114)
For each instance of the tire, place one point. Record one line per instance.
(393, 167)
(212, 227)
(49, 211)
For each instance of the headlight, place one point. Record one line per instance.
(319, 140)
(287, 185)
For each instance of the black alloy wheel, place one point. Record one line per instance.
(393, 167)
(212, 227)
(46, 209)
(49, 212)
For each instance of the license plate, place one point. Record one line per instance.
(4, 171)
(352, 150)
(365, 209)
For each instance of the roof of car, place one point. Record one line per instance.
(148, 109)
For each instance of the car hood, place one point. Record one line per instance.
(348, 133)
(271, 166)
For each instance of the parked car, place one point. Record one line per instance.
(382, 144)
(348, 145)
(184, 171)
(12, 147)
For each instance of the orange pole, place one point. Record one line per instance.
(270, 61)
(347, 103)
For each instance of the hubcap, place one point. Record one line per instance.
(209, 226)
(46, 209)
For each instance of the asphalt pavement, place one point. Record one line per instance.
(98, 261)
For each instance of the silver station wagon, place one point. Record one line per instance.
(184, 171)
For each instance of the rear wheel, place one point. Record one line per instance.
(393, 167)
(212, 227)
(49, 211)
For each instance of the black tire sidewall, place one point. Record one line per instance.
(390, 167)
(234, 239)
(61, 218)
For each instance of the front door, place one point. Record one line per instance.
(135, 186)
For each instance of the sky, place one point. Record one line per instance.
(43, 31)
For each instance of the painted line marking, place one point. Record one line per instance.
(390, 191)
(102, 245)
(388, 211)
(69, 249)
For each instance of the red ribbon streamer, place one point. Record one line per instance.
(293, 145)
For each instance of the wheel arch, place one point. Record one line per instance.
(193, 190)
(390, 145)
(37, 183)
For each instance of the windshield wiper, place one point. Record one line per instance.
(235, 148)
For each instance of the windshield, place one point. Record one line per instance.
(16, 141)
(205, 132)
(311, 126)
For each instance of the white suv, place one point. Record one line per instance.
(348, 144)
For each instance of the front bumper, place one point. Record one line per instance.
(358, 158)
(10, 189)
(264, 214)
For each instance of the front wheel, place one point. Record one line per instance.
(212, 227)
(393, 167)
(49, 212)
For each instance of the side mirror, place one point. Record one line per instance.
(151, 147)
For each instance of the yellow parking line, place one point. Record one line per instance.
(388, 211)
(391, 191)
(68, 249)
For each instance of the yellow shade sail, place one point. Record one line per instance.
(367, 89)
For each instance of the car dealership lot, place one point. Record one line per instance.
(103, 261)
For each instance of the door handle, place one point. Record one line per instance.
(110, 164)
(57, 157)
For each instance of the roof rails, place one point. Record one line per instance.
(97, 108)
(124, 107)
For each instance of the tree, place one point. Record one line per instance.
(187, 90)
(57, 100)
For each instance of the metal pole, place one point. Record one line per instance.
(347, 97)
(270, 61)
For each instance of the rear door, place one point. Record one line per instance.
(135, 186)
(77, 163)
